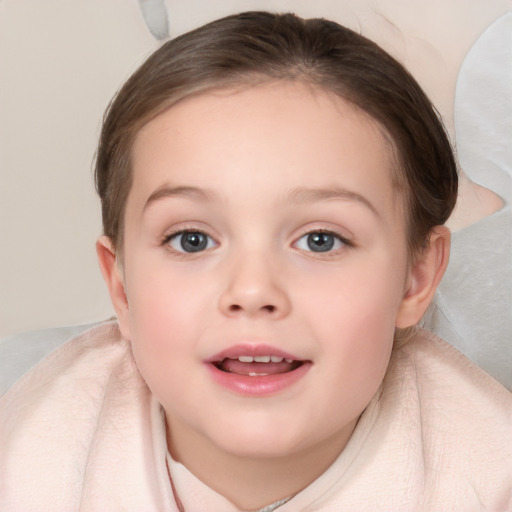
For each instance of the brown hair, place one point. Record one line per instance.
(255, 47)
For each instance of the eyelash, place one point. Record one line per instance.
(166, 241)
(336, 236)
(176, 234)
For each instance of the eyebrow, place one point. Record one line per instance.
(298, 195)
(303, 195)
(166, 191)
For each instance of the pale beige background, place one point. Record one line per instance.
(61, 61)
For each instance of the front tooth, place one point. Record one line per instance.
(276, 359)
(246, 359)
(262, 359)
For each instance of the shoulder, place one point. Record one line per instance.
(442, 372)
(462, 418)
(92, 352)
(76, 374)
(54, 418)
(435, 437)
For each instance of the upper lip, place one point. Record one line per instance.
(253, 350)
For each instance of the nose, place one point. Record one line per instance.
(254, 288)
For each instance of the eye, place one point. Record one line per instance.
(320, 241)
(190, 241)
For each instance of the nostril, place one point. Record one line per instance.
(235, 308)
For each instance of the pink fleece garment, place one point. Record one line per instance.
(82, 431)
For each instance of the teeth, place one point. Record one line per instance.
(263, 359)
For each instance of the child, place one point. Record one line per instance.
(274, 192)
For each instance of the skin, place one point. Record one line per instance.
(249, 160)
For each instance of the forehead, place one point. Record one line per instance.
(289, 133)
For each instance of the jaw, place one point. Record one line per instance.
(253, 480)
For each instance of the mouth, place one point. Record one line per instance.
(258, 366)
(257, 370)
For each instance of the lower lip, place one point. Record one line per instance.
(261, 385)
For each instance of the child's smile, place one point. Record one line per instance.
(255, 369)
(265, 266)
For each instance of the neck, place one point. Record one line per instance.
(252, 483)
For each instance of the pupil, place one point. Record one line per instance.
(320, 242)
(193, 242)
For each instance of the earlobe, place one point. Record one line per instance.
(425, 274)
(112, 274)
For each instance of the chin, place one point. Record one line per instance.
(263, 440)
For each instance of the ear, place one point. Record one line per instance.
(113, 276)
(424, 277)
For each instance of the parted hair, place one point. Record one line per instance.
(251, 48)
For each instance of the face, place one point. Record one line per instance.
(264, 266)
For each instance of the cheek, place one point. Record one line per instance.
(354, 317)
(160, 296)
(363, 295)
(169, 309)
(358, 333)
(356, 358)
(161, 312)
